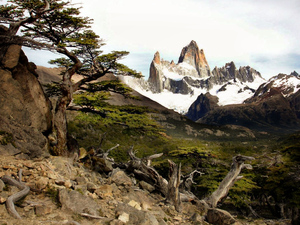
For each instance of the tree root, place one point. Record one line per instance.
(15, 197)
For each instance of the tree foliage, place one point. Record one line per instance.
(57, 26)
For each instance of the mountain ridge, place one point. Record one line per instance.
(225, 95)
(274, 105)
(177, 86)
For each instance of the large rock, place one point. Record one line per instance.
(134, 216)
(219, 217)
(78, 203)
(119, 177)
(25, 111)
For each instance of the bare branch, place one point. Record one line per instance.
(232, 176)
(15, 197)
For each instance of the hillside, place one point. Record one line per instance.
(99, 189)
(90, 142)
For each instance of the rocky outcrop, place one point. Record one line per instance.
(230, 72)
(193, 72)
(155, 77)
(177, 77)
(203, 104)
(195, 57)
(23, 105)
(61, 193)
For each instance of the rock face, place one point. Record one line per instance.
(196, 58)
(155, 74)
(203, 104)
(176, 77)
(192, 71)
(230, 72)
(24, 109)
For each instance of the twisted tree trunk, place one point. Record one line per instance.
(15, 197)
(173, 194)
(232, 176)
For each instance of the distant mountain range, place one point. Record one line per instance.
(224, 95)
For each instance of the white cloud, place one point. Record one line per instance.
(241, 31)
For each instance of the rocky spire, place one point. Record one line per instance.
(156, 58)
(155, 77)
(192, 55)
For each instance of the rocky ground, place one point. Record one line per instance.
(63, 192)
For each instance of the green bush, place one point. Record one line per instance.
(6, 138)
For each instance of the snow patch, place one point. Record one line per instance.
(288, 82)
(171, 75)
(234, 93)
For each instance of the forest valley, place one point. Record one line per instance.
(103, 137)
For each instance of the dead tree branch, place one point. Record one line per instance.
(187, 180)
(173, 194)
(147, 173)
(142, 169)
(232, 176)
(15, 197)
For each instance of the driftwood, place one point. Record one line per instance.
(232, 176)
(17, 196)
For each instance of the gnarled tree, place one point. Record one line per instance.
(57, 26)
(142, 168)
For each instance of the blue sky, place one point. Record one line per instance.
(263, 34)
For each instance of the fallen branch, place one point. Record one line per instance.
(92, 216)
(141, 167)
(15, 197)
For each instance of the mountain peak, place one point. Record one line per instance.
(156, 58)
(295, 74)
(192, 55)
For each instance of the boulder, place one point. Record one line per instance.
(25, 111)
(146, 186)
(103, 165)
(78, 203)
(219, 217)
(135, 216)
(119, 177)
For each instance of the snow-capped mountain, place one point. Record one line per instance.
(274, 106)
(223, 96)
(287, 85)
(177, 86)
